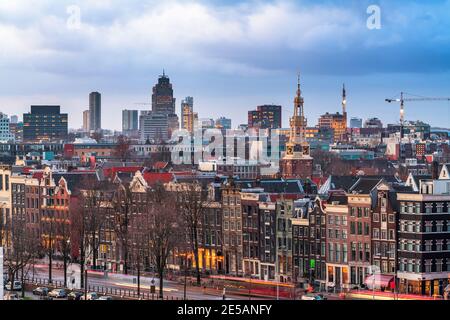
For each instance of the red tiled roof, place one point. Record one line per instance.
(160, 165)
(38, 175)
(111, 172)
(154, 177)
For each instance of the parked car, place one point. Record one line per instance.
(105, 298)
(58, 293)
(75, 295)
(313, 296)
(16, 287)
(41, 291)
(11, 296)
(90, 296)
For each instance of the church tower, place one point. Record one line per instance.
(297, 162)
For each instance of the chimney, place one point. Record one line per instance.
(435, 170)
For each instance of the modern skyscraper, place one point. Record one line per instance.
(223, 123)
(130, 122)
(265, 117)
(187, 114)
(95, 111)
(356, 123)
(86, 119)
(14, 119)
(297, 162)
(5, 132)
(153, 126)
(337, 121)
(45, 123)
(162, 97)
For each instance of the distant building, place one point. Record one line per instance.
(416, 129)
(173, 123)
(95, 111)
(162, 97)
(5, 132)
(265, 117)
(153, 126)
(335, 121)
(356, 123)
(14, 119)
(86, 119)
(16, 129)
(188, 116)
(206, 123)
(373, 123)
(45, 123)
(223, 123)
(130, 122)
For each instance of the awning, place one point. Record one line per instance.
(379, 281)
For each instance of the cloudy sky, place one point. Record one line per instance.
(229, 55)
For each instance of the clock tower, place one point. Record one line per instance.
(297, 162)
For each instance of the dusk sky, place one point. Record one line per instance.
(229, 55)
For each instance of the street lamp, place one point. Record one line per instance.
(1, 273)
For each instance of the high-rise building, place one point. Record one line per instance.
(356, 123)
(130, 122)
(206, 123)
(162, 97)
(153, 126)
(14, 119)
(188, 116)
(297, 162)
(223, 123)
(86, 118)
(173, 124)
(45, 123)
(337, 121)
(95, 111)
(5, 132)
(373, 123)
(265, 117)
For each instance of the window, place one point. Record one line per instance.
(376, 233)
(427, 266)
(352, 227)
(344, 220)
(344, 253)
(360, 227)
(391, 218)
(439, 265)
(366, 212)
(366, 229)
(367, 251)
(376, 217)
(353, 245)
(428, 245)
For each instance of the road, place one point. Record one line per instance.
(118, 282)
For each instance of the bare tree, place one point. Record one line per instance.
(65, 247)
(22, 252)
(122, 150)
(123, 204)
(89, 211)
(162, 228)
(191, 202)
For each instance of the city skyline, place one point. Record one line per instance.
(251, 61)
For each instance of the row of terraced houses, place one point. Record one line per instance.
(349, 231)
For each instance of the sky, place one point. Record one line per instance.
(231, 56)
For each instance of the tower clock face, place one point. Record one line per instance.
(305, 150)
(290, 150)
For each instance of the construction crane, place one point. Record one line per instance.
(402, 105)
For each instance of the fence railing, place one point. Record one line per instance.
(103, 290)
